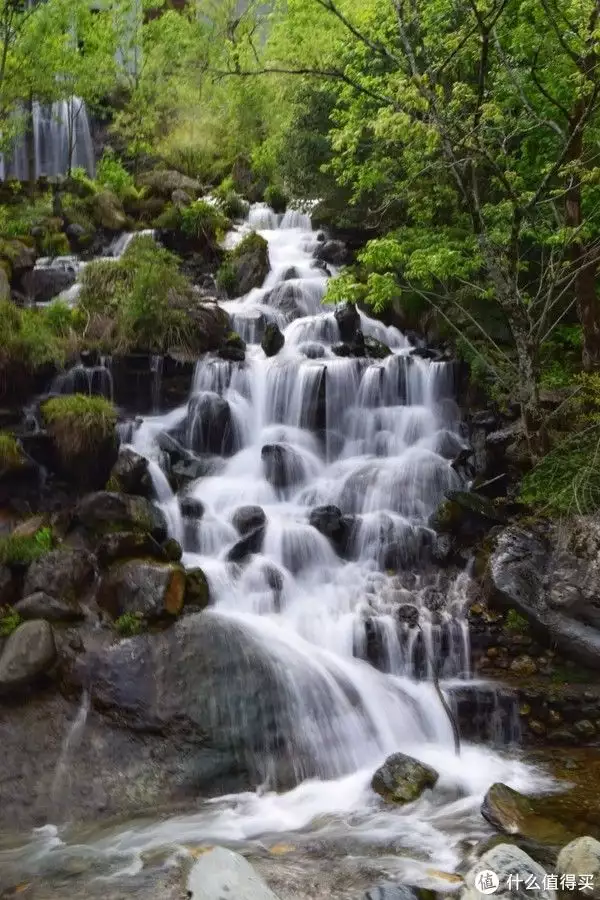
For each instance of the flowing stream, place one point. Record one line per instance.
(350, 645)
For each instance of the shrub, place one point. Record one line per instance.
(16, 221)
(54, 244)
(276, 198)
(58, 317)
(9, 621)
(112, 174)
(202, 220)
(26, 339)
(11, 456)
(514, 621)
(25, 549)
(79, 423)
(230, 202)
(80, 183)
(226, 278)
(129, 624)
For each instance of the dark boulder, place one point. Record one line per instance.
(348, 321)
(105, 512)
(375, 349)
(211, 425)
(273, 340)
(44, 283)
(335, 526)
(128, 545)
(467, 514)
(28, 653)
(233, 348)
(10, 586)
(333, 252)
(409, 614)
(191, 508)
(344, 350)
(153, 589)
(248, 518)
(247, 266)
(283, 466)
(53, 609)
(64, 574)
(130, 474)
(287, 299)
(197, 592)
(402, 779)
(251, 543)
(525, 819)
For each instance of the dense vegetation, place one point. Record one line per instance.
(456, 142)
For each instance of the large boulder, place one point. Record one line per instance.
(153, 589)
(163, 182)
(105, 512)
(107, 211)
(129, 545)
(524, 818)
(29, 653)
(348, 321)
(251, 543)
(333, 252)
(338, 528)
(197, 592)
(64, 574)
(402, 779)
(248, 518)
(130, 474)
(273, 339)
(283, 466)
(211, 425)
(556, 587)
(246, 267)
(43, 283)
(53, 609)
(467, 514)
(514, 876)
(581, 858)
(223, 873)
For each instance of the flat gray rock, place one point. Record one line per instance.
(221, 874)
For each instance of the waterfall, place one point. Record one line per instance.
(60, 130)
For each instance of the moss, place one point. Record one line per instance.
(129, 624)
(9, 621)
(515, 622)
(26, 338)
(22, 550)
(11, 456)
(226, 278)
(197, 592)
(79, 423)
(56, 245)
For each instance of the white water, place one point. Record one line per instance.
(369, 446)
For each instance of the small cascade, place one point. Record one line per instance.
(61, 135)
(70, 745)
(94, 379)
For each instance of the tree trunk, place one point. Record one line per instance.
(30, 148)
(528, 393)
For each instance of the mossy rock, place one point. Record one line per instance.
(245, 267)
(402, 779)
(162, 183)
(197, 593)
(107, 211)
(465, 512)
(105, 512)
(153, 589)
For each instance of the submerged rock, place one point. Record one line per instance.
(105, 512)
(402, 779)
(191, 508)
(29, 652)
(153, 589)
(211, 428)
(335, 526)
(282, 465)
(130, 474)
(248, 518)
(504, 861)
(273, 339)
(251, 543)
(233, 348)
(223, 873)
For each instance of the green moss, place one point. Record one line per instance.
(27, 339)
(79, 423)
(11, 456)
(252, 243)
(515, 622)
(129, 624)
(24, 549)
(9, 621)
(226, 278)
(203, 220)
(55, 245)
(276, 198)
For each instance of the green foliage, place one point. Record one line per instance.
(11, 456)
(112, 174)
(226, 278)
(9, 621)
(129, 624)
(26, 339)
(80, 184)
(276, 198)
(232, 205)
(55, 244)
(79, 423)
(515, 622)
(17, 220)
(59, 318)
(21, 550)
(203, 221)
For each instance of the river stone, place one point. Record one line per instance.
(251, 543)
(197, 594)
(391, 892)
(139, 586)
(375, 349)
(467, 513)
(519, 816)
(44, 283)
(348, 321)
(283, 466)
(130, 474)
(273, 339)
(212, 429)
(105, 512)
(53, 609)
(402, 779)
(191, 508)
(221, 873)
(107, 211)
(333, 252)
(582, 857)
(29, 652)
(248, 518)
(338, 528)
(505, 860)
(64, 574)
(128, 545)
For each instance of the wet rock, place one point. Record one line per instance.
(408, 613)
(105, 512)
(64, 574)
(402, 779)
(426, 353)
(506, 860)
(515, 814)
(333, 252)
(43, 606)
(28, 653)
(375, 349)
(233, 348)
(348, 321)
(127, 545)
(223, 873)
(130, 474)
(172, 550)
(283, 466)
(391, 892)
(44, 283)
(582, 857)
(191, 508)
(343, 350)
(107, 211)
(212, 429)
(312, 351)
(247, 265)
(287, 298)
(273, 340)
(251, 543)
(468, 514)
(523, 666)
(186, 471)
(153, 589)
(197, 592)
(290, 274)
(9, 587)
(335, 526)
(248, 518)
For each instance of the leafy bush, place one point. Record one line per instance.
(17, 220)
(79, 423)
(9, 621)
(276, 198)
(55, 244)
(26, 339)
(230, 202)
(80, 183)
(129, 624)
(25, 549)
(514, 621)
(226, 278)
(203, 220)
(59, 318)
(10, 453)
(112, 174)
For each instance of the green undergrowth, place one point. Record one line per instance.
(9, 621)
(79, 423)
(515, 622)
(11, 456)
(25, 549)
(201, 222)
(129, 624)
(28, 337)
